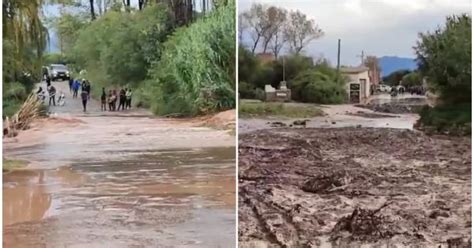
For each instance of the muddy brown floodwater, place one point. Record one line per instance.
(119, 180)
(353, 187)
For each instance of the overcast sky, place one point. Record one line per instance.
(379, 27)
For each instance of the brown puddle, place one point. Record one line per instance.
(27, 193)
(149, 198)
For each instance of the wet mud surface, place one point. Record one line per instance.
(119, 180)
(353, 187)
(337, 116)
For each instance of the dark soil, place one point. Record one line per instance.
(348, 187)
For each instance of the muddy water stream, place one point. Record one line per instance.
(119, 180)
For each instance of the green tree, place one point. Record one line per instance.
(395, 77)
(412, 79)
(300, 31)
(444, 57)
(67, 27)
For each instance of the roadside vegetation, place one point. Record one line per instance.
(444, 58)
(177, 58)
(24, 40)
(275, 30)
(251, 109)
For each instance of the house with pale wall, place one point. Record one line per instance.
(358, 86)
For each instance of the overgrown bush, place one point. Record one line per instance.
(15, 90)
(246, 90)
(197, 68)
(319, 85)
(446, 118)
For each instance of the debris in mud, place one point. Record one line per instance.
(371, 115)
(365, 224)
(326, 183)
(277, 124)
(300, 123)
(438, 213)
(459, 242)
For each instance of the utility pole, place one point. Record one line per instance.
(362, 56)
(338, 55)
(283, 68)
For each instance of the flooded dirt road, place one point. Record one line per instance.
(352, 178)
(353, 187)
(126, 179)
(338, 116)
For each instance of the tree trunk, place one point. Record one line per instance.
(255, 45)
(91, 2)
(140, 4)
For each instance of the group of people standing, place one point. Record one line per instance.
(124, 99)
(115, 101)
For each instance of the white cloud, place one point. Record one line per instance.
(380, 27)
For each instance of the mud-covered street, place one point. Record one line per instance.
(353, 178)
(316, 188)
(119, 179)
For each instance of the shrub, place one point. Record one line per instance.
(196, 72)
(318, 86)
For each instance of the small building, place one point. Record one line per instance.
(358, 86)
(282, 94)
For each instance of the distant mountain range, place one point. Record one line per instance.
(390, 64)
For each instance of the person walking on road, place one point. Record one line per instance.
(75, 88)
(103, 100)
(84, 97)
(52, 95)
(121, 99)
(128, 97)
(71, 82)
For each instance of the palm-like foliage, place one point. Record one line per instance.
(23, 29)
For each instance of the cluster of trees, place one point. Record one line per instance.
(444, 58)
(404, 77)
(272, 28)
(309, 80)
(178, 58)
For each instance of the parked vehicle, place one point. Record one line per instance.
(58, 71)
(383, 88)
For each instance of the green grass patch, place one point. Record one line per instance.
(273, 109)
(10, 165)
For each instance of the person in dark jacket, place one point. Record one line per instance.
(121, 99)
(103, 100)
(71, 82)
(84, 97)
(52, 95)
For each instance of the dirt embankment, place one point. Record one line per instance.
(348, 187)
(392, 108)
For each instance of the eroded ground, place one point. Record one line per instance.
(353, 187)
(128, 179)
